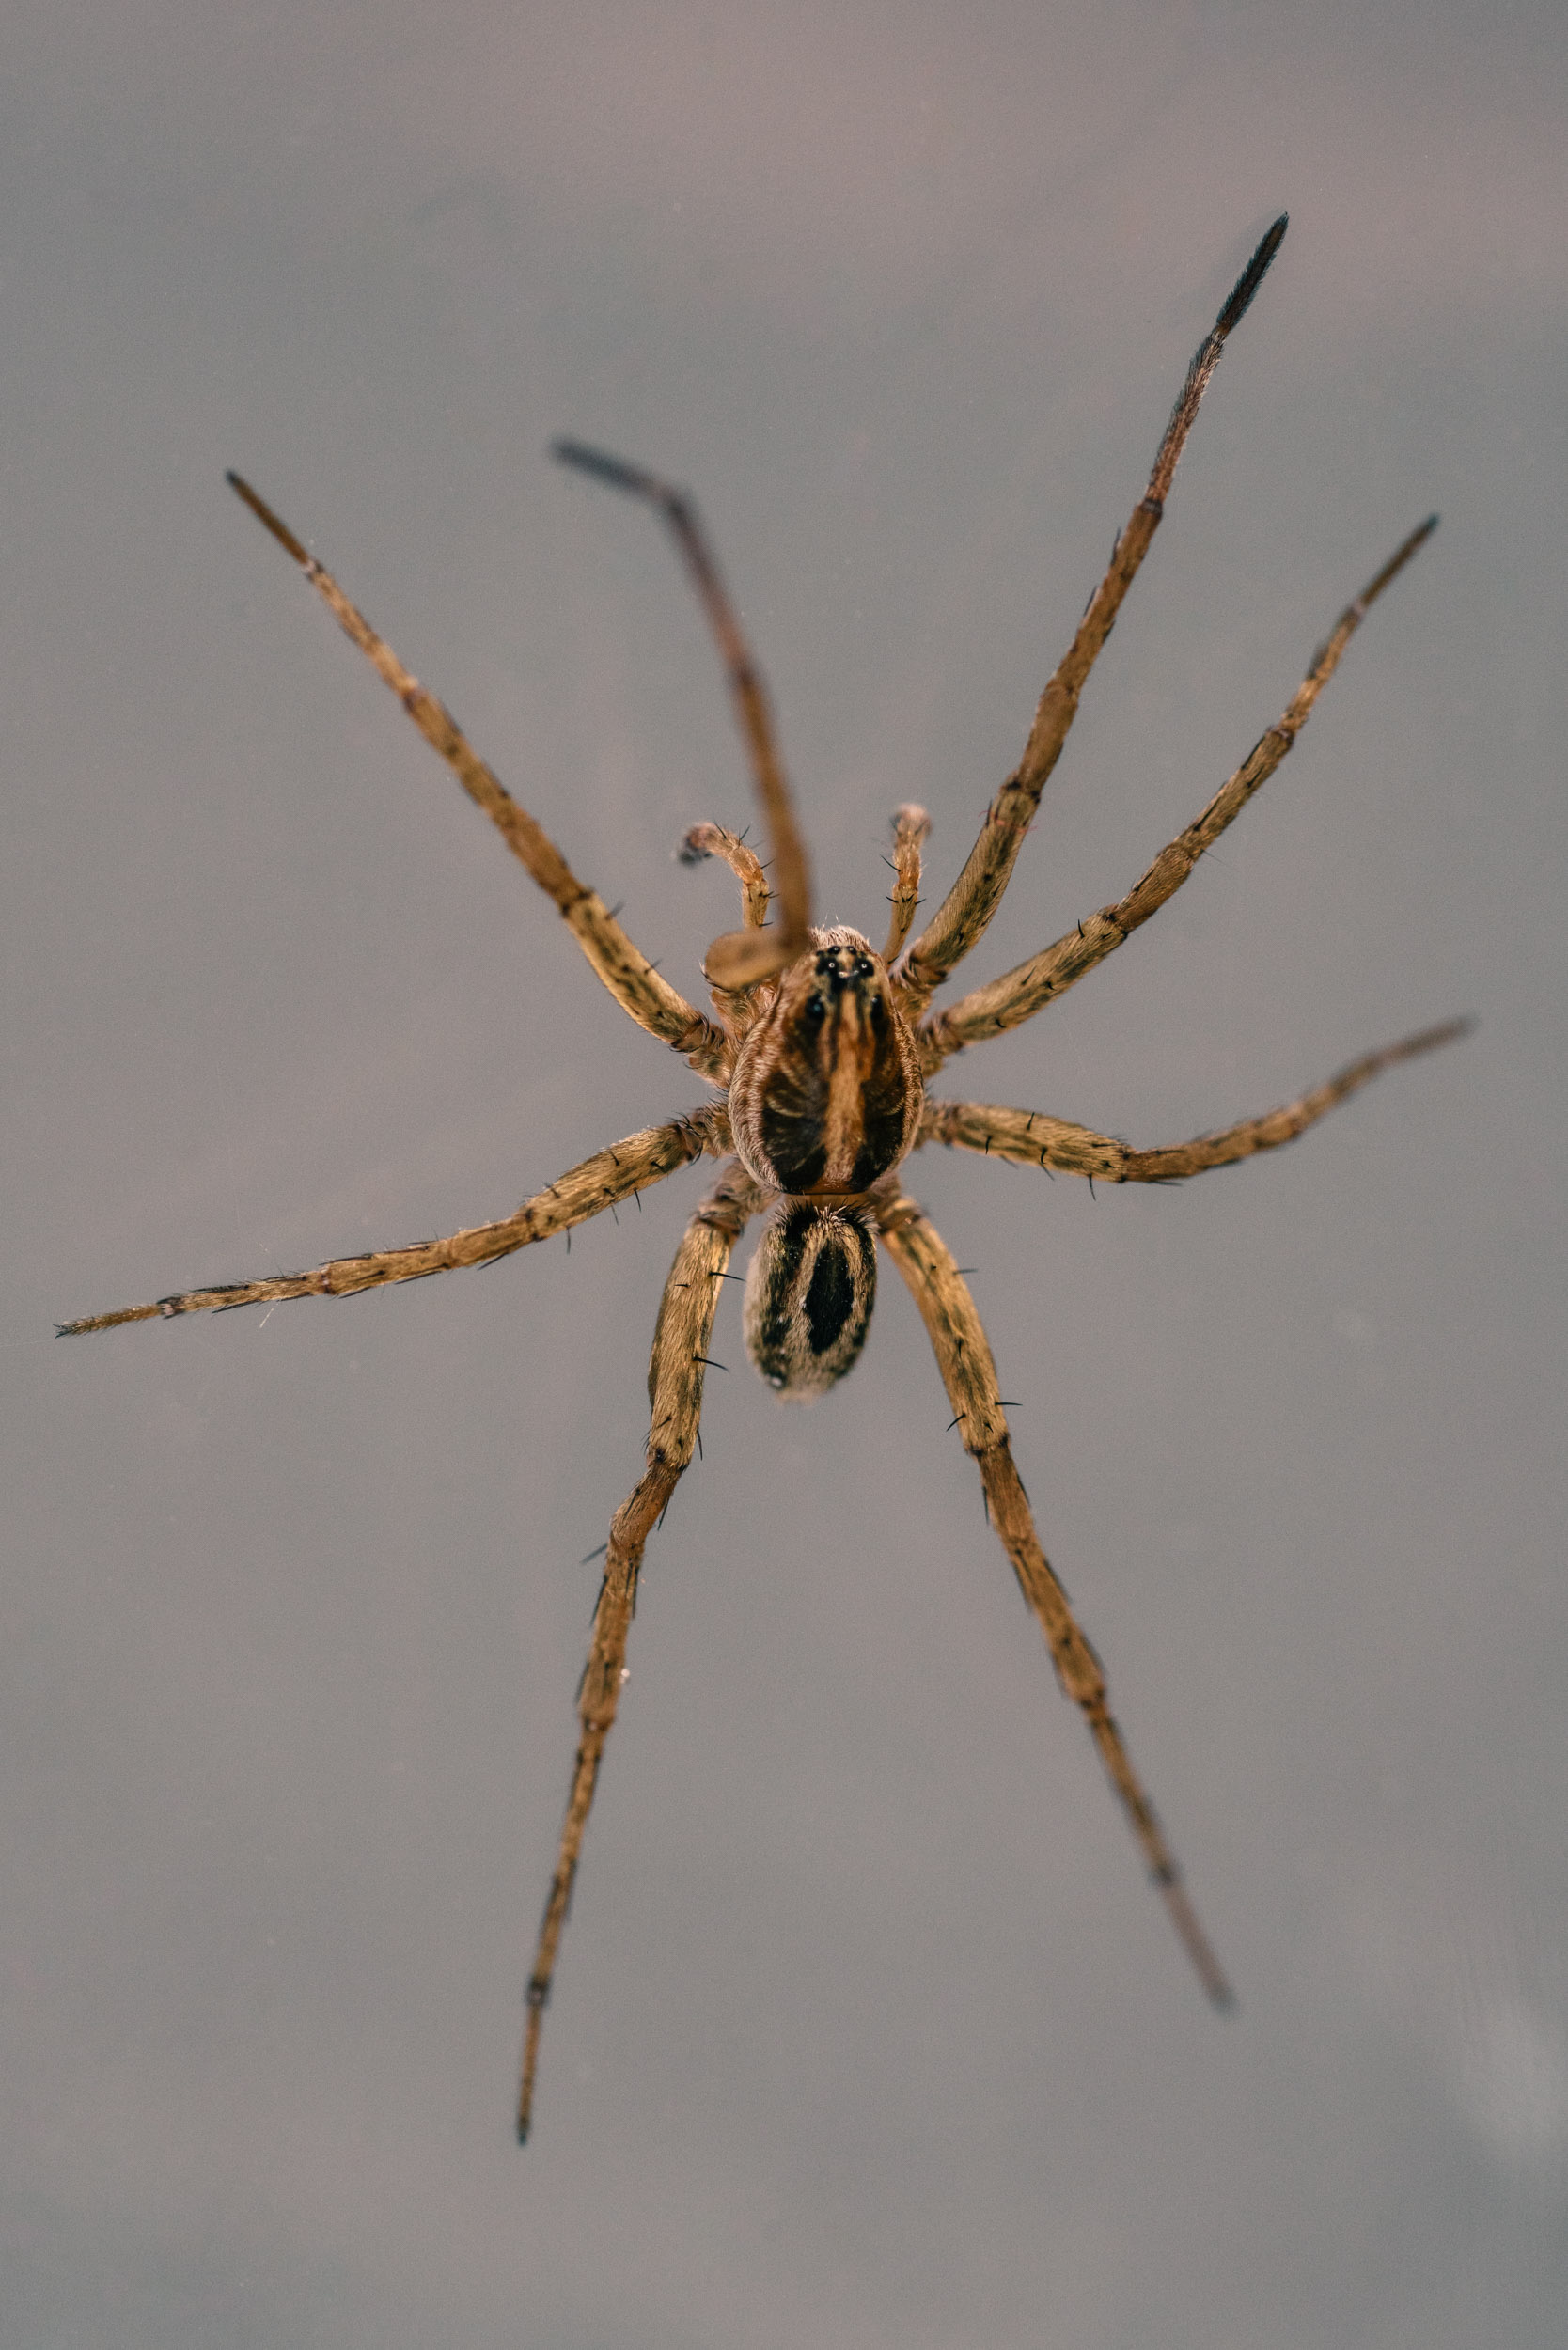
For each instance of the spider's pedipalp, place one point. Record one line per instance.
(960, 920)
(584, 1191)
(675, 1374)
(964, 1357)
(1019, 994)
(911, 829)
(740, 959)
(631, 978)
(736, 1007)
(1029, 1138)
(706, 840)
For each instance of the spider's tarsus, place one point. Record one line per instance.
(1251, 278)
(1397, 560)
(270, 521)
(601, 466)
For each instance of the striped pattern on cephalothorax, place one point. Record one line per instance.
(826, 1094)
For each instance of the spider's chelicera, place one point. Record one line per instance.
(819, 1052)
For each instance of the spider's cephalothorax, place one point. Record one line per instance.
(809, 1290)
(819, 1050)
(826, 1094)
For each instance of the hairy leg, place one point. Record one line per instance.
(964, 1357)
(962, 918)
(1032, 1140)
(652, 1003)
(740, 959)
(680, 1339)
(910, 826)
(633, 1165)
(1019, 994)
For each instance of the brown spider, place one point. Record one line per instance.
(819, 1053)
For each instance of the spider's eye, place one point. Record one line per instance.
(863, 968)
(815, 1009)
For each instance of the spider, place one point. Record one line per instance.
(817, 1054)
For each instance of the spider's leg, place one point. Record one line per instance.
(961, 917)
(1019, 994)
(964, 1357)
(1032, 1140)
(583, 1191)
(910, 826)
(739, 959)
(675, 1372)
(652, 1003)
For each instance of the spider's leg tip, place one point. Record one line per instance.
(603, 466)
(1251, 278)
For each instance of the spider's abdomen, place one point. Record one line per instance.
(808, 1296)
(827, 1091)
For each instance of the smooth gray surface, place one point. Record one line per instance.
(867, 2031)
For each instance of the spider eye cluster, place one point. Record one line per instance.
(809, 1290)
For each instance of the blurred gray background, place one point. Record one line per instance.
(867, 2031)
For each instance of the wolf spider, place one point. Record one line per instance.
(819, 1055)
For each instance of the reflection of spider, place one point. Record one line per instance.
(819, 1052)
